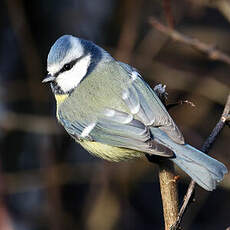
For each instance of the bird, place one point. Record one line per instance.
(106, 106)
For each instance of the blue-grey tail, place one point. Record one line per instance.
(203, 169)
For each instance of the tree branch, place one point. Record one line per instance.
(169, 193)
(205, 148)
(167, 176)
(211, 51)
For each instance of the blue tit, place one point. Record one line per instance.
(108, 108)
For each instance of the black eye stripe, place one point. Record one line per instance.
(70, 65)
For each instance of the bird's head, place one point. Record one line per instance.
(70, 60)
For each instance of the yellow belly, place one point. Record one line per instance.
(110, 153)
(104, 151)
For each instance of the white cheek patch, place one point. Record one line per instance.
(70, 79)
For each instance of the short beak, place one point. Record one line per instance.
(48, 78)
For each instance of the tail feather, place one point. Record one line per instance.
(203, 169)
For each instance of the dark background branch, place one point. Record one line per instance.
(210, 50)
(205, 148)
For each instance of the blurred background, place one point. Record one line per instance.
(49, 182)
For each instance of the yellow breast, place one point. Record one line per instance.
(60, 98)
(108, 152)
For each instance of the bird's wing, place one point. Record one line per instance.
(143, 102)
(118, 129)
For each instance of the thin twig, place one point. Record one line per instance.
(219, 126)
(205, 148)
(168, 12)
(184, 206)
(210, 50)
(169, 106)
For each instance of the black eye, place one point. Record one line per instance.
(67, 67)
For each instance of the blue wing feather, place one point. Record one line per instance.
(151, 110)
(111, 131)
